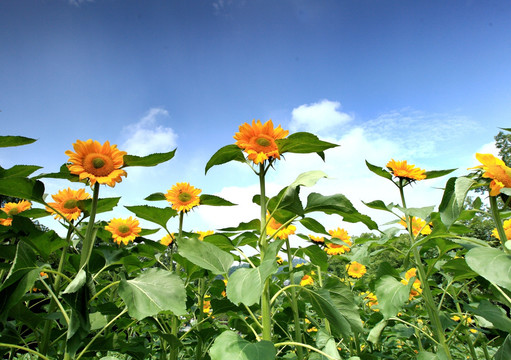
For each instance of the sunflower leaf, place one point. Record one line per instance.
(23, 188)
(214, 200)
(148, 160)
(438, 173)
(379, 171)
(154, 214)
(156, 197)
(7, 141)
(304, 143)
(224, 155)
(62, 174)
(18, 170)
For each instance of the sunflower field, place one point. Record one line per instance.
(423, 286)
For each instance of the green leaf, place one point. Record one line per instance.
(246, 284)
(340, 205)
(8, 140)
(62, 174)
(206, 255)
(316, 255)
(438, 173)
(392, 295)
(156, 197)
(504, 352)
(229, 346)
(153, 291)
(342, 297)
(421, 213)
(453, 199)
(426, 355)
(224, 155)
(77, 283)
(494, 314)
(459, 268)
(251, 225)
(379, 171)
(213, 200)
(148, 160)
(379, 205)
(492, 264)
(156, 215)
(22, 188)
(314, 225)
(303, 143)
(104, 205)
(18, 171)
(375, 333)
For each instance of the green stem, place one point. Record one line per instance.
(498, 222)
(24, 349)
(263, 245)
(88, 242)
(104, 289)
(294, 302)
(198, 350)
(292, 343)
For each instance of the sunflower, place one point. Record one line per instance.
(306, 280)
(124, 230)
(167, 239)
(206, 305)
(416, 287)
(96, 162)
(418, 226)
(203, 234)
(371, 299)
(507, 230)
(279, 260)
(259, 140)
(402, 169)
(66, 202)
(12, 208)
(495, 169)
(319, 240)
(183, 197)
(356, 269)
(337, 249)
(273, 226)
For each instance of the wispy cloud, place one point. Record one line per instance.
(147, 136)
(79, 2)
(318, 117)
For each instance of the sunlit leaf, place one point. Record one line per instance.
(375, 333)
(379, 171)
(156, 215)
(8, 140)
(303, 143)
(148, 160)
(438, 173)
(246, 284)
(392, 295)
(224, 155)
(342, 297)
(228, 345)
(453, 199)
(251, 225)
(206, 255)
(18, 171)
(156, 197)
(22, 188)
(213, 200)
(314, 226)
(152, 292)
(492, 264)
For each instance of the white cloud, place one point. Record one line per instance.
(147, 137)
(78, 2)
(318, 117)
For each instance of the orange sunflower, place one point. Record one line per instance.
(507, 230)
(12, 209)
(203, 234)
(319, 240)
(495, 169)
(183, 197)
(167, 239)
(67, 203)
(418, 226)
(124, 230)
(259, 140)
(337, 249)
(96, 162)
(306, 280)
(402, 169)
(273, 226)
(356, 270)
(416, 287)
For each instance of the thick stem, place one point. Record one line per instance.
(198, 350)
(88, 242)
(294, 303)
(498, 222)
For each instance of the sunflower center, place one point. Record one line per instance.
(184, 197)
(98, 164)
(123, 229)
(70, 204)
(14, 211)
(263, 141)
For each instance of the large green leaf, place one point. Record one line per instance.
(380, 205)
(229, 346)
(254, 224)
(392, 295)
(504, 352)
(438, 173)
(316, 255)
(375, 333)
(104, 205)
(214, 200)
(494, 314)
(18, 171)
(342, 297)
(224, 155)
(8, 140)
(148, 160)
(206, 255)
(22, 188)
(492, 264)
(314, 225)
(156, 215)
(340, 205)
(62, 174)
(453, 199)
(154, 291)
(379, 171)
(304, 143)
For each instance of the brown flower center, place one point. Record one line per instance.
(98, 164)
(70, 204)
(184, 197)
(123, 229)
(14, 211)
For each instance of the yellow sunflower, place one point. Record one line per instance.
(273, 226)
(306, 280)
(124, 230)
(183, 197)
(258, 140)
(167, 239)
(356, 269)
(203, 234)
(371, 299)
(416, 287)
(66, 202)
(12, 208)
(319, 240)
(418, 226)
(507, 230)
(96, 162)
(279, 260)
(337, 249)
(495, 169)
(206, 305)
(407, 171)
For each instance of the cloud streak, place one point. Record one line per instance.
(318, 117)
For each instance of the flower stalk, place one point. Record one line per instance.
(263, 246)
(498, 222)
(294, 302)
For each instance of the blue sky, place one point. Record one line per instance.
(426, 81)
